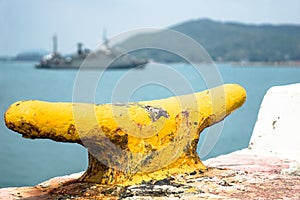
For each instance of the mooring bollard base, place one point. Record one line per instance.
(97, 172)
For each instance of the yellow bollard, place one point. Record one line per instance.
(130, 142)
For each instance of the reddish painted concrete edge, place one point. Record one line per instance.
(238, 175)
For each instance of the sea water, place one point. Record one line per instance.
(26, 162)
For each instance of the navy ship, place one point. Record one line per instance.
(103, 57)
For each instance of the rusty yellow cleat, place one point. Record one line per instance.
(130, 142)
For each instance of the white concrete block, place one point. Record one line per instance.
(277, 130)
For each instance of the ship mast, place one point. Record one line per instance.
(54, 44)
(104, 38)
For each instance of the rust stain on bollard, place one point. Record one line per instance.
(130, 142)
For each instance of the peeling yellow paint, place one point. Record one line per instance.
(130, 142)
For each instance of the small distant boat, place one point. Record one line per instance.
(104, 57)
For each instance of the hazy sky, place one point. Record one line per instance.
(30, 24)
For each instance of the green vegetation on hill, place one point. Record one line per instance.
(31, 55)
(227, 42)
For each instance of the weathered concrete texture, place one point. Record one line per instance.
(239, 175)
(38, 191)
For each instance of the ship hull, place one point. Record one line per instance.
(90, 62)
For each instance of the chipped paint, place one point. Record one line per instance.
(130, 142)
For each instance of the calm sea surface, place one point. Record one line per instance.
(28, 162)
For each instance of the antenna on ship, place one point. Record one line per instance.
(54, 44)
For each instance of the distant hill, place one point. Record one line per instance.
(228, 41)
(31, 55)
